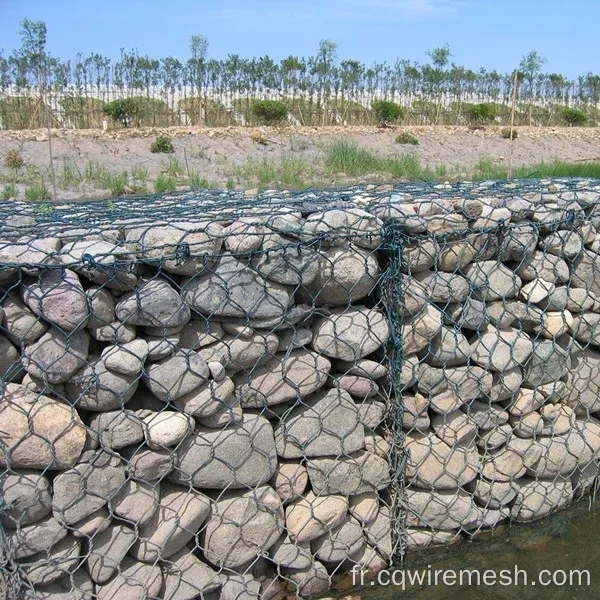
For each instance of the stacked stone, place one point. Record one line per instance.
(194, 408)
(501, 298)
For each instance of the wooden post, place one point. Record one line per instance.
(512, 125)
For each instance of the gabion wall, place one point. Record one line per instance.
(224, 397)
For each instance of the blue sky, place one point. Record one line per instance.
(490, 33)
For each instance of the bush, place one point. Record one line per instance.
(163, 184)
(37, 193)
(481, 114)
(387, 113)
(269, 111)
(9, 191)
(123, 111)
(506, 133)
(13, 160)
(162, 144)
(574, 117)
(407, 138)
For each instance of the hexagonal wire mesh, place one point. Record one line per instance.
(210, 395)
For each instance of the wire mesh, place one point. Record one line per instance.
(207, 395)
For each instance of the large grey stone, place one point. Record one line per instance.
(501, 349)
(106, 551)
(117, 428)
(134, 581)
(21, 325)
(326, 424)
(235, 457)
(492, 280)
(537, 498)
(136, 501)
(185, 577)
(440, 509)
(312, 516)
(26, 496)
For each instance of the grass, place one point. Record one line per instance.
(9, 191)
(407, 138)
(70, 176)
(172, 167)
(487, 169)
(164, 183)
(37, 193)
(289, 172)
(198, 183)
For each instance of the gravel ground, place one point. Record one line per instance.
(217, 155)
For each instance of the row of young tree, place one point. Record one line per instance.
(321, 82)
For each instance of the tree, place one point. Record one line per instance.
(440, 57)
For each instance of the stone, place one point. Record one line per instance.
(181, 247)
(101, 307)
(21, 326)
(486, 415)
(518, 243)
(536, 498)
(28, 540)
(505, 384)
(289, 481)
(470, 314)
(312, 516)
(154, 303)
(9, 360)
(38, 432)
(106, 551)
(350, 334)
(310, 582)
(433, 464)
(86, 487)
(135, 502)
(127, 359)
(491, 280)
(527, 426)
(185, 577)
(232, 289)
(236, 353)
(287, 263)
(543, 266)
(548, 362)
(454, 256)
(56, 357)
(166, 429)
(345, 275)
(208, 399)
(147, 465)
(199, 333)
(115, 333)
(31, 251)
(48, 566)
(26, 496)
(585, 272)
(291, 339)
(325, 424)
(455, 428)
(501, 349)
(242, 525)
(74, 586)
(555, 323)
(511, 461)
(421, 256)
(360, 388)
(117, 429)
(58, 297)
(362, 368)
(560, 455)
(444, 288)
(176, 376)
(440, 509)
(243, 235)
(451, 388)
(238, 456)
(491, 439)
(586, 328)
(371, 413)
(97, 389)
(583, 382)
(340, 543)
(536, 291)
(91, 525)
(364, 507)
(449, 348)
(425, 539)
(417, 333)
(566, 244)
(281, 379)
(557, 419)
(291, 554)
(492, 494)
(415, 414)
(348, 475)
(229, 413)
(134, 581)
(180, 513)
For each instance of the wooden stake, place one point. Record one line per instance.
(512, 124)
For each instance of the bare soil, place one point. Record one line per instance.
(225, 156)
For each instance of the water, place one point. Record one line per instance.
(563, 542)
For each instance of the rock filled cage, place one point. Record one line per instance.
(205, 395)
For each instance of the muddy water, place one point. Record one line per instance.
(566, 541)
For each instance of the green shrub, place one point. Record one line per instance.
(37, 193)
(162, 144)
(13, 160)
(163, 184)
(387, 112)
(481, 114)
(269, 111)
(9, 191)
(574, 117)
(506, 133)
(407, 138)
(122, 111)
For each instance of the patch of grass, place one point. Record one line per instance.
(347, 157)
(13, 160)
(115, 182)
(230, 185)
(290, 173)
(69, 177)
(9, 191)
(162, 144)
(37, 193)
(405, 167)
(172, 167)
(139, 180)
(164, 184)
(506, 133)
(542, 170)
(406, 138)
(197, 182)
